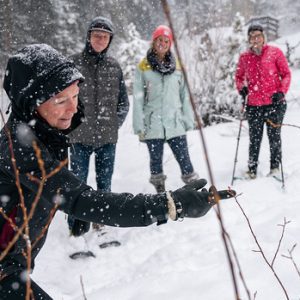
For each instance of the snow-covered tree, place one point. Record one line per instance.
(130, 53)
(69, 35)
(211, 60)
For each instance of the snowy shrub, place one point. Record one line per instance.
(211, 60)
(129, 54)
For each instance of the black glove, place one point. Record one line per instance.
(197, 203)
(277, 97)
(244, 92)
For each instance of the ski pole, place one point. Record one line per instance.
(282, 175)
(238, 142)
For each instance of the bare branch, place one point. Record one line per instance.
(166, 9)
(292, 258)
(27, 217)
(45, 228)
(9, 220)
(255, 294)
(280, 240)
(275, 125)
(238, 265)
(82, 287)
(261, 250)
(58, 168)
(55, 171)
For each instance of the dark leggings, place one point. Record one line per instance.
(179, 148)
(13, 287)
(258, 116)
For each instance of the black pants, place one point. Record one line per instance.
(257, 116)
(13, 287)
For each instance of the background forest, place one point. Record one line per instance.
(211, 35)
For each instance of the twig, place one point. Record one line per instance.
(280, 240)
(24, 209)
(45, 228)
(82, 287)
(277, 125)
(239, 266)
(292, 258)
(9, 220)
(199, 126)
(261, 250)
(27, 217)
(55, 171)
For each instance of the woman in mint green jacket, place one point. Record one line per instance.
(162, 110)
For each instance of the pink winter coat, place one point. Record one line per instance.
(263, 74)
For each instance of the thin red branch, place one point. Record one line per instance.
(277, 125)
(51, 216)
(27, 217)
(238, 265)
(9, 220)
(199, 126)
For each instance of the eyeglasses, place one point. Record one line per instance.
(256, 37)
(100, 35)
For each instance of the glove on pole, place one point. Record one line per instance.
(282, 176)
(244, 93)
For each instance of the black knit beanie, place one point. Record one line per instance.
(255, 27)
(101, 24)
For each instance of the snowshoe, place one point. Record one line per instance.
(250, 175)
(82, 254)
(276, 174)
(110, 244)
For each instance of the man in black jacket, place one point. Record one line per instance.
(42, 86)
(106, 106)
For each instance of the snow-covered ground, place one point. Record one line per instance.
(186, 260)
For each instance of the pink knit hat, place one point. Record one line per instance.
(164, 31)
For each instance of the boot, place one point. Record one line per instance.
(250, 175)
(158, 180)
(188, 178)
(274, 172)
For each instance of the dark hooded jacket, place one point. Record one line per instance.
(34, 75)
(103, 93)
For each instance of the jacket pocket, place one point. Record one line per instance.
(148, 121)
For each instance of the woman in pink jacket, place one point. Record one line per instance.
(263, 78)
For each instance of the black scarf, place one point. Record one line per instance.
(54, 139)
(165, 67)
